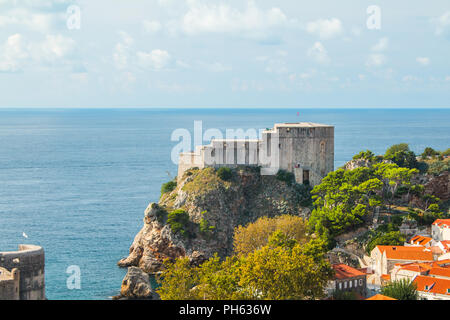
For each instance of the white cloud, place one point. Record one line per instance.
(319, 53)
(55, 47)
(18, 53)
(156, 59)
(122, 51)
(376, 60)
(381, 45)
(442, 23)
(44, 16)
(13, 53)
(325, 28)
(424, 61)
(152, 27)
(204, 17)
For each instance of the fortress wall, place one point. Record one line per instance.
(30, 260)
(305, 149)
(9, 284)
(187, 161)
(311, 149)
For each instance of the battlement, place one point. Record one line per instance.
(304, 148)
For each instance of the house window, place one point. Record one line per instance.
(345, 285)
(340, 285)
(361, 282)
(356, 283)
(350, 284)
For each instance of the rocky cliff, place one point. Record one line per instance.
(215, 207)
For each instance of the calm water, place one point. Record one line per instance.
(77, 181)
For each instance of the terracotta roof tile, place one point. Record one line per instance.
(416, 267)
(433, 285)
(406, 253)
(344, 271)
(420, 240)
(442, 222)
(440, 272)
(380, 297)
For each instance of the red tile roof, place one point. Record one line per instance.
(420, 240)
(344, 271)
(380, 297)
(440, 272)
(442, 223)
(432, 285)
(406, 253)
(386, 277)
(416, 267)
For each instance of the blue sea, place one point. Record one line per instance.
(77, 181)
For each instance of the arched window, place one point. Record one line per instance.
(322, 147)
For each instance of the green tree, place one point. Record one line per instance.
(283, 269)
(401, 155)
(342, 200)
(178, 221)
(392, 238)
(256, 235)
(429, 153)
(224, 173)
(366, 155)
(393, 177)
(168, 187)
(178, 280)
(400, 290)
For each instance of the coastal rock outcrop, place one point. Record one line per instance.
(215, 207)
(136, 285)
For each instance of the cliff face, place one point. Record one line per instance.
(219, 205)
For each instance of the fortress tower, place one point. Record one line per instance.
(26, 280)
(305, 149)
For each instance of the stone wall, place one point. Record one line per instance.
(30, 260)
(9, 284)
(305, 149)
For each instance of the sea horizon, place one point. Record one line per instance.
(77, 181)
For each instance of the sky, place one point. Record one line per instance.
(218, 53)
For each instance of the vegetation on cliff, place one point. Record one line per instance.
(279, 266)
(235, 234)
(347, 198)
(256, 235)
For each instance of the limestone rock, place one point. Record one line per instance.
(136, 285)
(223, 204)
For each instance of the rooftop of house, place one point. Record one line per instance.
(442, 223)
(440, 272)
(420, 240)
(442, 263)
(432, 285)
(343, 271)
(406, 253)
(380, 297)
(415, 267)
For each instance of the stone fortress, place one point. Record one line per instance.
(304, 149)
(22, 274)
